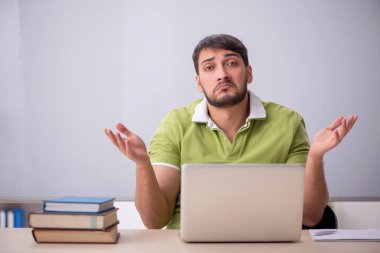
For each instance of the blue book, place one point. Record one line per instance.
(79, 204)
(18, 218)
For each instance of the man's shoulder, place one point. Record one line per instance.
(277, 111)
(184, 112)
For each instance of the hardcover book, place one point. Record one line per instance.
(79, 204)
(111, 235)
(73, 220)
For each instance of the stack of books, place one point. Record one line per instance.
(75, 220)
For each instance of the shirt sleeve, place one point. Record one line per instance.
(165, 145)
(300, 146)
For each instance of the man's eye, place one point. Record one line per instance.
(231, 63)
(208, 68)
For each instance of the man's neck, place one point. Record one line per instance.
(230, 119)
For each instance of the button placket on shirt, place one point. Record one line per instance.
(236, 144)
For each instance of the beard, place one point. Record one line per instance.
(227, 100)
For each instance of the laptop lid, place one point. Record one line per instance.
(241, 202)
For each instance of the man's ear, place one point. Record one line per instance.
(199, 85)
(249, 74)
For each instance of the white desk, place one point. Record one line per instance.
(167, 241)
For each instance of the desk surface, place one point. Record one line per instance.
(167, 241)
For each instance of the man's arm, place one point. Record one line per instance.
(156, 187)
(156, 194)
(316, 194)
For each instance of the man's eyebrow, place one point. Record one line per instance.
(231, 54)
(209, 59)
(224, 56)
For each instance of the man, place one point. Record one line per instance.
(230, 125)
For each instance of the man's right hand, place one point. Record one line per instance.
(157, 187)
(130, 144)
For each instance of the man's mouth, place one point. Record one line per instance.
(224, 86)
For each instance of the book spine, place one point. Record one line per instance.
(34, 236)
(10, 219)
(19, 218)
(3, 219)
(44, 206)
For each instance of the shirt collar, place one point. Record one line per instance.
(256, 111)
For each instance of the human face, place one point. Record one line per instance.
(223, 77)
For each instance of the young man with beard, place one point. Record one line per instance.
(230, 125)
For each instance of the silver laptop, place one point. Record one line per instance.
(241, 202)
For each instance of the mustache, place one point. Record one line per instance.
(224, 82)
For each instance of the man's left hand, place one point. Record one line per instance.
(329, 137)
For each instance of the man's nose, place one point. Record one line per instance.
(222, 74)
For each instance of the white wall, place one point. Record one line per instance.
(68, 69)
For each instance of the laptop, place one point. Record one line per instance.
(241, 202)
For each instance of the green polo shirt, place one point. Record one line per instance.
(272, 134)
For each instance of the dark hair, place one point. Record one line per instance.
(220, 41)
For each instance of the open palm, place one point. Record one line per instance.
(131, 145)
(329, 137)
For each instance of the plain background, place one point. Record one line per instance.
(69, 69)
